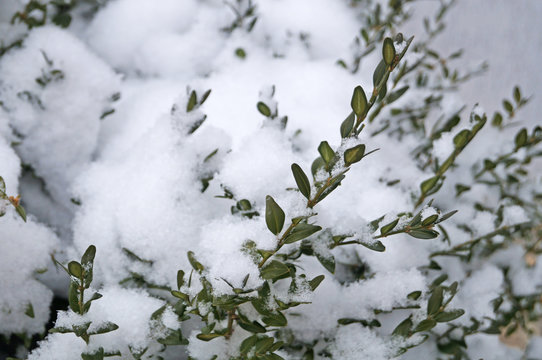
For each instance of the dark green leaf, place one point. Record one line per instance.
(205, 96)
(388, 51)
(425, 325)
(275, 319)
(379, 73)
(192, 101)
(274, 216)
(429, 184)
(414, 295)
(497, 119)
(2, 185)
(301, 180)
(274, 269)
(375, 246)
(446, 216)
(29, 311)
(195, 264)
(22, 213)
(300, 232)
(208, 337)
(180, 295)
(461, 138)
(396, 94)
(248, 344)
(429, 220)
(88, 257)
(435, 301)
(73, 299)
(353, 155)
(521, 138)
(316, 281)
(262, 345)
(326, 152)
(517, 95)
(423, 234)
(508, 106)
(180, 279)
(327, 261)
(403, 329)
(389, 227)
(75, 269)
(253, 327)
(359, 101)
(317, 164)
(449, 315)
(96, 355)
(347, 125)
(104, 328)
(263, 109)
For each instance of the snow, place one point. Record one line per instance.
(97, 115)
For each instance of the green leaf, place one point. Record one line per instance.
(96, 355)
(375, 246)
(205, 96)
(195, 263)
(396, 94)
(414, 295)
(301, 180)
(29, 311)
(180, 279)
(253, 327)
(508, 106)
(461, 138)
(88, 257)
(274, 269)
(263, 109)
(327, 262)
(428, 184)
(173, 337)
(208, 337)
(423, 233)
(316, 281)
(75, 269)
(347, 125)
(403, 329)
(262, 345)
(497, 119)
(300, 232)
(435, 301)
(446, 216)
(429, 220)
(353, 155)
(517, 95)
(521, 138)
(326, 152)
(389, 227)
(379, 73)
(87, 262)
(104, 328)
(274, 216)
(2, 185)
(388, 51)
(317, 164)
(22, 213)
(275, 319)
(192, 101)
(449, 315)
(73, 299)
(359, 101)
(248, 344)
(180, 295)
(425, 325)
